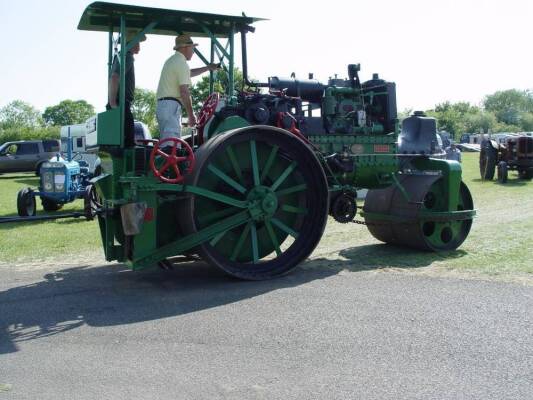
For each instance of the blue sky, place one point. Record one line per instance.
(434, 50)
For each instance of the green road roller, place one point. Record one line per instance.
(251, 188)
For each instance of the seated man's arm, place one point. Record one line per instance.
(113, 90)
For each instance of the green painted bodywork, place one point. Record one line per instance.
(265, 180)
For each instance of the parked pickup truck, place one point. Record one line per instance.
(27, 155)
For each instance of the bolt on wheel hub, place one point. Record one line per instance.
(263, 202)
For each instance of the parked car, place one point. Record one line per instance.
(27, 155)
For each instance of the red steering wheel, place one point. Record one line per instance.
(172, 160)
(208, 109)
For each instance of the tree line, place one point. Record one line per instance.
(503, 111)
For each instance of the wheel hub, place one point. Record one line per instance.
(263, 202)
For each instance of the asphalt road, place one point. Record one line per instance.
(103, 332)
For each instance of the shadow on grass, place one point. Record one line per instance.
(510, 182)
(69, 220)
(33, 183)
(111, 295)
(31, 178)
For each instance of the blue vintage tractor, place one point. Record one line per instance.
(61, 181)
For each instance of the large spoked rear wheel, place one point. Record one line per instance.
(284, 187)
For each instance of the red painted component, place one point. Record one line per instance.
(381, 148)
(292, 129)
(149, 214)
(208, 109)
(172, 160)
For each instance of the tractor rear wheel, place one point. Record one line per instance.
(405, 226)
(488, 157)
(285, 191)
(26, 206)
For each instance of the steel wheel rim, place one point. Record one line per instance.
(450, 234)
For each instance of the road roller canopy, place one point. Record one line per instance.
(122, 18)
(102, 16)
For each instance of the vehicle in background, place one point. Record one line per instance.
(448, 146)
(515, 153)
(62, 180)
(142, 133)
(80, 149)
(27, 155)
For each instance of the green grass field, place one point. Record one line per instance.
(43, 240)
(500, 242)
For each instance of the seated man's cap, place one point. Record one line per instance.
(184, 41)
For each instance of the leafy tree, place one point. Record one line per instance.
(527, 121)
(450, 116)
(68, 112)
(19, 114)
(143, 108)
(406, 112)
(481, 122)
(200, 90)
(508, 105)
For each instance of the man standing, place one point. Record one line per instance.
(173, 91)
(113, 90)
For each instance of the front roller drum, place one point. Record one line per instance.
(391, 218)
(283, 184)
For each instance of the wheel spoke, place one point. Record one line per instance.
(214, 216)
(173, 151)
(234, 163)
(165, 167)
(273, 237)
(176, 170)
(269, 163)
(215, 240)
(255, 247)
(162, 153)
(237, 186)
(284, 175)
(284, 227)
(293, 189)
(240, 242)
(255, 164)
(292, 209)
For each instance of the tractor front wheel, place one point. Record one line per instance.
(283, 197)
(26, 206)
(50, 205)
(503, 172)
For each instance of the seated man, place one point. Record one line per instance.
(114, 83)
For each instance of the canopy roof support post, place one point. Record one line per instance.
(231, 88)
(122, 85)
(211, 73)
(110, 52)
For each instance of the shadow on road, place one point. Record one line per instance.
(113, 295)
